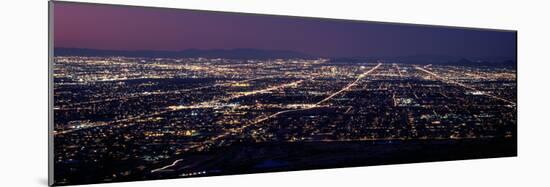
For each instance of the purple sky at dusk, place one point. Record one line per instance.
(136, 28)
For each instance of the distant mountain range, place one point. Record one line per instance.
(242, 53)
(437, 59)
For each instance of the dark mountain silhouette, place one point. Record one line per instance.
(435, 59)
(243, 53)
(189, 53)
(466, 62)
(411, 59)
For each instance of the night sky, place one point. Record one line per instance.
(136, 28)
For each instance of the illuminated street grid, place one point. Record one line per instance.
(155, 110)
